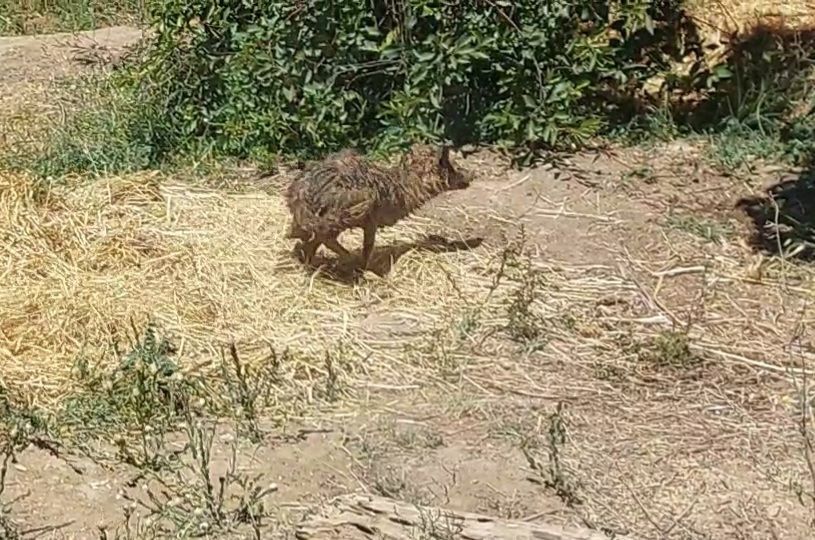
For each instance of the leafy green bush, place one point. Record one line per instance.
(308, 76)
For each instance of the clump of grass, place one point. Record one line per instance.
(654, 126)
(142, 402)
(670, 349)
(394, 483)
(188, 504)
(105, 130)
(145, 397)
(46, 16)
(759, 99)
(555, 475)
(645, 174)
(437, 525)
(738, 147)
(136, 404)
(248, 388)
(708, 230)
(21, 422)
(414, 438)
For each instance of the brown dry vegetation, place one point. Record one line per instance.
(613, 354)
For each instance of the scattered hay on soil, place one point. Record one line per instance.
(81, 263)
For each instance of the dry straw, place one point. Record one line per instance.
(741, 15)
(80, 263)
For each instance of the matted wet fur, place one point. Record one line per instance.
(346, 191)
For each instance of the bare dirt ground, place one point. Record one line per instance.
(659, 398)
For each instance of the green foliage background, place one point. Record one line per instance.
(271, 79)
(304, 77)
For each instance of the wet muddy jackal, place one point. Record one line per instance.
(346, 191)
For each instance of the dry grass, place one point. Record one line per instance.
(208, 268)
(741, 15)
(82, 262)
(680, 363)
(683, 357)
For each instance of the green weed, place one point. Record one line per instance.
(47, 16)
(136, 404)
(708, 230)
(525, 323)
(249, 388)
(555, 475)
(189, 504)
(739, 147)
(670, 349)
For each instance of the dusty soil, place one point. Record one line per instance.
(706, 447)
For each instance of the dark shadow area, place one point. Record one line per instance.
(761, 93)
(757, 82)
(783, 218)
(675, 37)
(385, 257)
(763, 83)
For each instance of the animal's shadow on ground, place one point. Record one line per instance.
(783, 219)
(384, 257)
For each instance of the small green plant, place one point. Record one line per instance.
(189, 504)
(246, 387)
(555, 475)
(708, 230)
(669, 349)
(739, 147)
(649, 128)
(525, 323)
(137, 403)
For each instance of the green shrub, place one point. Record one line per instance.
(305, 77)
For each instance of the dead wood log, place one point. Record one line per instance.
(370, 516)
